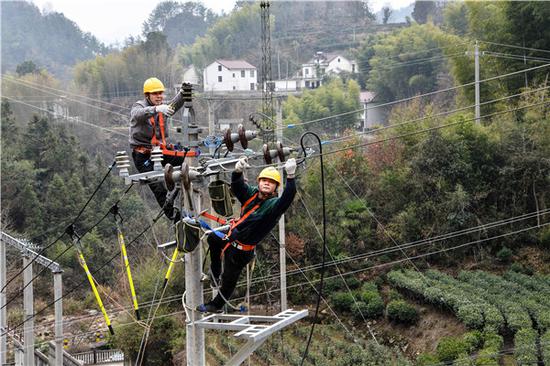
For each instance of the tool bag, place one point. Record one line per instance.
(221, 198)
(188, 234)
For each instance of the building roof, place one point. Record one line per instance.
(327, 57)
(235, 64)
(366, 96)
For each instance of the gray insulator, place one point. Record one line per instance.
(156, 158)
(122, 163)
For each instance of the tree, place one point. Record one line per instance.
(386, 11)
(396, 74)
(181, 23)
(422, 10)
(27, 67)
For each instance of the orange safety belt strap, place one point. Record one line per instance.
(239, 245)
(162, 143)
(213, 218)
(154, 140)
(247, 202)
(242, 218)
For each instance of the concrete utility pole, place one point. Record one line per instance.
(3, 311)
(282, 235)
(193, 262)
(365, 120)
(29, 256)
(28, 327)
(476, 62)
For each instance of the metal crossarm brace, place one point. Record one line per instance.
(255, 329)
(24, 248)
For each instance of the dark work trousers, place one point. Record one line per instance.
(234, 260)
(144, 164)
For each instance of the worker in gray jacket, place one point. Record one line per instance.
(148, 129)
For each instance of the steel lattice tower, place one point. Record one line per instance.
(267, 124)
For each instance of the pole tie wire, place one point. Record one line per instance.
(124, 255)
(78, 245)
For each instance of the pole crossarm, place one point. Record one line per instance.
(24, 248)
(251, 327)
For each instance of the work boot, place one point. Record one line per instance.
(208, 308)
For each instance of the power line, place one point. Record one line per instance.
(396, 125)
(431, 129)
(79, 121)
(514, 46)
(414, 97)
(78, 285)
(72, 223)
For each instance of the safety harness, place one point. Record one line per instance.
(234, 223)
(162, 143)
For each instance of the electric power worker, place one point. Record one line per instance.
(148, 119)
(260, 212)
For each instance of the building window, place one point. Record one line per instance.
(251, 86)
(233, 75)
(338, 59)
(219, 79)
(242, 73)
(352, 68)
(219, 67)
(251, 73)
(234, 87)
(307, 71)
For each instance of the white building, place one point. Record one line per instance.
(312, 72)
(228, 75)
(310, 75)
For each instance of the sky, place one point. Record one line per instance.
(112, 21)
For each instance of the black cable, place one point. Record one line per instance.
(320, 291)
(60, 236)
(78, 285)
(71, 245)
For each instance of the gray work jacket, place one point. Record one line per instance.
(141, 130)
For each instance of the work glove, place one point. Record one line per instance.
(165, 109)
(187, 92)
(290, 167)
(241, 164)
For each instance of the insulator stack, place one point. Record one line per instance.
(185, 175)
(156, 158)
(122, 163)
(278, 151)
(242, 136)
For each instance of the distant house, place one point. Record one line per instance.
(310, 75)
(312, 72)
(228, 75)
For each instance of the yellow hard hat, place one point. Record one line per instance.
(153, 85)
(270, 173)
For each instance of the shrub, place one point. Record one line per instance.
(520, 268)
(494, 321)
(342, 301)
(473, 340)
(394, 295)
(544, 237)
(492, 341)
(449, 348)
(526, 347)
(401, 312)
(471, 315)
(427, 359)
(504, 254)
(545, 347)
